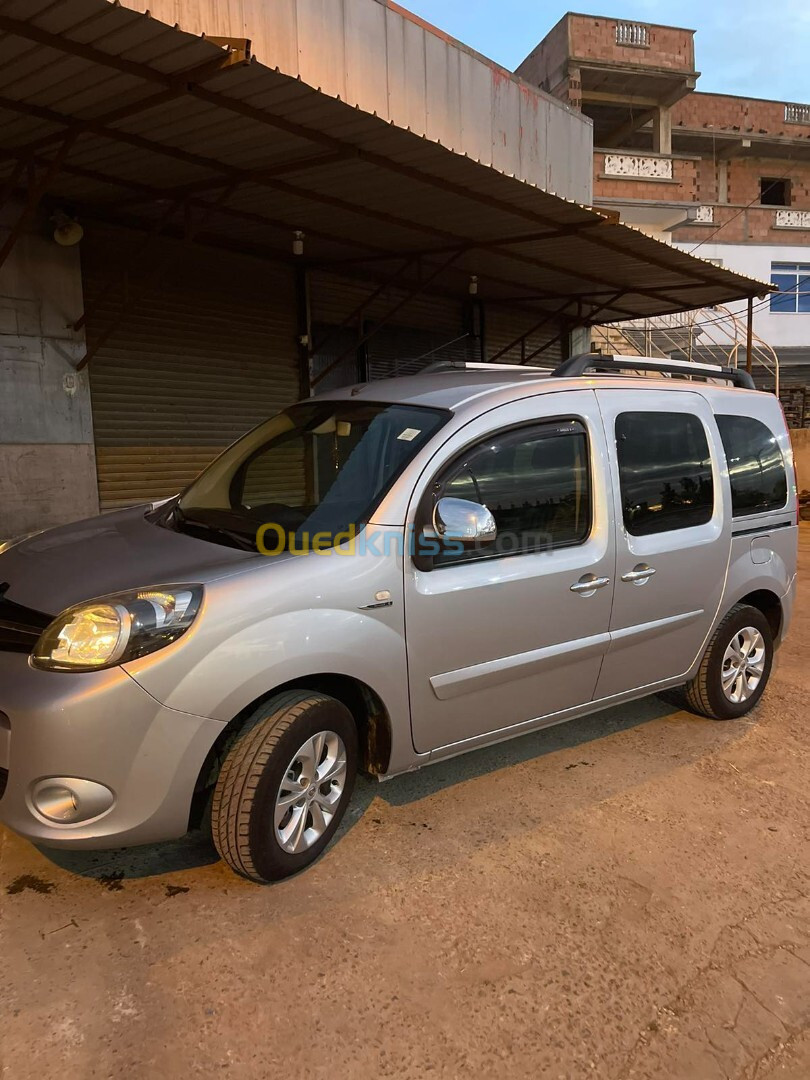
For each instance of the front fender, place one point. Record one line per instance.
(221, 681)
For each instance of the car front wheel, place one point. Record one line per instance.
(285, 785)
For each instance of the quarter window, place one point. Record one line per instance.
(536, 483)
(665, 472)
(755, 465)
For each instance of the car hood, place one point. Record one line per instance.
(55, 569)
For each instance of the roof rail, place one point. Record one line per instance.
(466, 365)
(610, 364)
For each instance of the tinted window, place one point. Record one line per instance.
(536, 483)
(665, 472)
(755, 465)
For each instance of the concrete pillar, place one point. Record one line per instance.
(47, 456)
(575, 88)
(722, 181)
(580, 340)
(662, 130)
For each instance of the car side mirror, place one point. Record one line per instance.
(463, 521)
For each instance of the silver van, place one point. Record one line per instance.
(386, 576)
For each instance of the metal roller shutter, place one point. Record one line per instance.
(203, 352)
(504, 325)
(426, 329)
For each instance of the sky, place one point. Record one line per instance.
(745, 47)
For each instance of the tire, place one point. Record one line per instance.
(264, 765)
(705, 695)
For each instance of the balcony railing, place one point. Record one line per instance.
(797, 114)
(704, 215)
(638, 165)
(637, 35)
(791, 219)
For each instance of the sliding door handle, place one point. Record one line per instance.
(639, 574)
(588, 584)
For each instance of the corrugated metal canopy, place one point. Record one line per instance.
(140, 123)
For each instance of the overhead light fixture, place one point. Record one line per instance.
(473, 285)
(298, 242)
(68, 231)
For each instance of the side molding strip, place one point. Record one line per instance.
(465, 680)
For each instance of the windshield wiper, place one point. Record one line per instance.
(239, 539)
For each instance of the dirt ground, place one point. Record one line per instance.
(622, 897)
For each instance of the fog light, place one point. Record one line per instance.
(57, 803)
(66, 800)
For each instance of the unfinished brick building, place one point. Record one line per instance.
(723, 176)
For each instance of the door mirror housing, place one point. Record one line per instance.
(464, 522)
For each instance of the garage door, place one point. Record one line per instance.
(205, 350)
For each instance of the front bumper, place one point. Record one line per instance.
(105, 728)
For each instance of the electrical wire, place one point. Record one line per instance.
(758, 306)
(734, 217)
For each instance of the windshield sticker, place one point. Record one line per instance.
(409, 434)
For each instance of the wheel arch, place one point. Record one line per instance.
(766, 601)
(373, 721)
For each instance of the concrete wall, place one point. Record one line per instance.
(382, 58)
(47, 460)
(727, 112)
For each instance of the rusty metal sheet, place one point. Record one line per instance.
(569, 159)
(534, 149)
(274, 41)
(365, 44)
(322, 45)
(444, 106)
(505, 123)
(407, 83)
(475, 83)
(391, 191)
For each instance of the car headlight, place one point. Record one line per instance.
(115, 629)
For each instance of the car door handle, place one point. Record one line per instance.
(639, 574)
(588, 584)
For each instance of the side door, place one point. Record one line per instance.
(515, 630)
(673, 533)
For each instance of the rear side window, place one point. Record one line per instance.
(755, 465)
(665, 472)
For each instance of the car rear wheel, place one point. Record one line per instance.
(735, 667)
(285, 785)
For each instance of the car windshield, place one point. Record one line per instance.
(305, 478)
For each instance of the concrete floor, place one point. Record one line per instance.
(623, 897)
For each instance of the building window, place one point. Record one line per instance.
(756, 467)
(665, 472)
(793, 280)
(774, 191)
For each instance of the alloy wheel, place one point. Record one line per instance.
(310, 792)
(743, 664)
